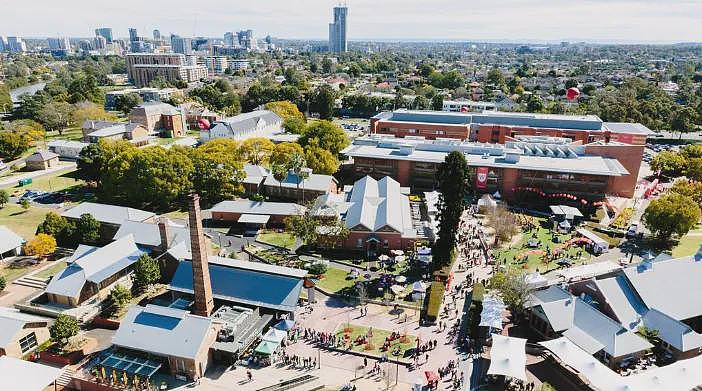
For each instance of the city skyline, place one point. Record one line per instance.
(625, 21)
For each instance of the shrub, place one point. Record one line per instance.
(436, 296)
(318, 268)
(63, 328)
(3, 283)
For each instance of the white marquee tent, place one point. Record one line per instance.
(508, 357)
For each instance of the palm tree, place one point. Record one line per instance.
(296, 164)
(279, 173)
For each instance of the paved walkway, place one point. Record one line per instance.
(12, 180)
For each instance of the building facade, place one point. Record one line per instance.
(337, 30)
(143, 68)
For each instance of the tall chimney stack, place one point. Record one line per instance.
(163, 233)
(202, 287)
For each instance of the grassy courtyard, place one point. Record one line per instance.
(52, 270)
(54, 182)
(376, 340)
(514, 255)
(22, 222)
(335, 281)
(280, 239)
(689, 244)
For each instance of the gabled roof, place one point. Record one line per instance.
(111, 214)
(668, 284)
(626, 305)
(246, 122)
(255, 174)
(379, 204)
(109, 131)
(9, 240)
(12, 321)
(148, 234)
(155, 107)
(163, 331)
(257, 284)
(676, 333)
(95, 265)
(41, 155)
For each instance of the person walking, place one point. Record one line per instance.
(249, 375)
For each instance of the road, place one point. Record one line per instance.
(11, 181)
(29, 89)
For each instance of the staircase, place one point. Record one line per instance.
(32, 282)
(65, 377)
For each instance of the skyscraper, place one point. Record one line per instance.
(104, 32)
(133, 36)
(157, 35)
(181, 45)
(229, 38)
(337, 30)
(247, 39)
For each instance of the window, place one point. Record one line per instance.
(440, 132)
(359, 243)
(28, 342)
(180, 365)
(411, 130)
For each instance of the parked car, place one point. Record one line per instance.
(633, 228)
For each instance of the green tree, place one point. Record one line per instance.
(12, 145)
(512, 288)
(534, 104)
(56, 116)
(321, 161)
(25, 204)
(437, 102)
(64, 327)
(683, 120)
(126, 102)
(118, 298)
(325, 135)
(87, 229)
(3, 283)
(426, 69)
(257, 150)
(327, 65)
(280, 172)
(453, 184)
(689, 189)
(670, 214)
(294, 125)
(91, 162)
(32, 130)
(421, 103)
(323, 101)
(694, 169)
(217, 174)
(496, 78)
(58, 227)
(5, 99)
(283, 152)
(4, 198)
(286, 110)
(571, 83)
(146, 273)
(670, 164)
(315, 231)
(41, 246)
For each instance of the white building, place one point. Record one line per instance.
(237, 65)
(260, 123)
(216, 64)
(66, 148)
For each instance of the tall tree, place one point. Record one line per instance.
(672, 213)
(326, 135)
(323, 101)
(63, 328)
(437, 102)
(126, 102)
(146, 273)
(454, 188)
(56, 116)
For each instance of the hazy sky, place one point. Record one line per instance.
(514, 20)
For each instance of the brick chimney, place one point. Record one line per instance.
(163, 233)
(202, 287)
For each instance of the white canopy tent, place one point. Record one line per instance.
(681, 375)
(275, 335)
(508, 357)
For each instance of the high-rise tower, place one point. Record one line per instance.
(337, 30)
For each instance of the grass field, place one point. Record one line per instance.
(535, 261)
(15, 271)
(689, 244)
(277, 239)
(51, 270)
(376, 340)
(75, 134)
(335, 280)
(23, 222)
(54, 182)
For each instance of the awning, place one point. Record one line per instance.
(285, 325)
(253, 219)
(132, 365)
(508, 357)
(267, 347)
(275, 335)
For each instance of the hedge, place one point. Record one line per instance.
(436, 296)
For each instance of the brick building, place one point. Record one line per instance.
(160, 117)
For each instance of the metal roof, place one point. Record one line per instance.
(681, 336)
(163, 331)
(147, 234)
(95, 265)
(315, 182)
(258, 207)
(626, 305)
(668, 285)
(105, 213)
(12, 322)
(41, 156)
(24, 375)
(246, 122)
(9, 240)
(252, 287)
(628, 128)
(378, 204)
(256, 219)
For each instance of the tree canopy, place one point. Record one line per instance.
(672, 214)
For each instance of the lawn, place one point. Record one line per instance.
(15, 270)
(54, 182)
(335, 280)
(511, 254)
(689, 244)
(75, 134)
(51, 270)
(280, 239)
(376, 340)
(23, 222)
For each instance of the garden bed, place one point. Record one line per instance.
(375, 342)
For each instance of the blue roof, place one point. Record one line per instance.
(244, 286)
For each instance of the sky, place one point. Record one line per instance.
(644, 21)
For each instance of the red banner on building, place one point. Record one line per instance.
(481, 177)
